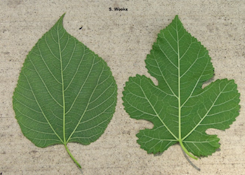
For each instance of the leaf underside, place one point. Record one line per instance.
(180, 109)
(65, 92)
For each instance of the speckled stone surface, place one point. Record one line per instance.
(122, 39)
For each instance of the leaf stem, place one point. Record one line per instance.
(185, 150)
(72, 156)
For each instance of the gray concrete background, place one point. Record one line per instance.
(123, 39)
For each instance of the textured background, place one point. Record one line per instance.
(123, 39)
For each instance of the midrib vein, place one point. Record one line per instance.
(63, 95)
(179, 101)
(179, 97)
(62, 89)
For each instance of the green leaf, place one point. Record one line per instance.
(65, 92)
(180, 109)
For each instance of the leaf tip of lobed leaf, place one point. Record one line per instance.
(176, 17)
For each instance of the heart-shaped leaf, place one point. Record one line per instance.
(65, 92)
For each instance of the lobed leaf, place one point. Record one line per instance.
(180, 109)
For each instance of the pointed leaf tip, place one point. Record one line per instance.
(61, 18)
